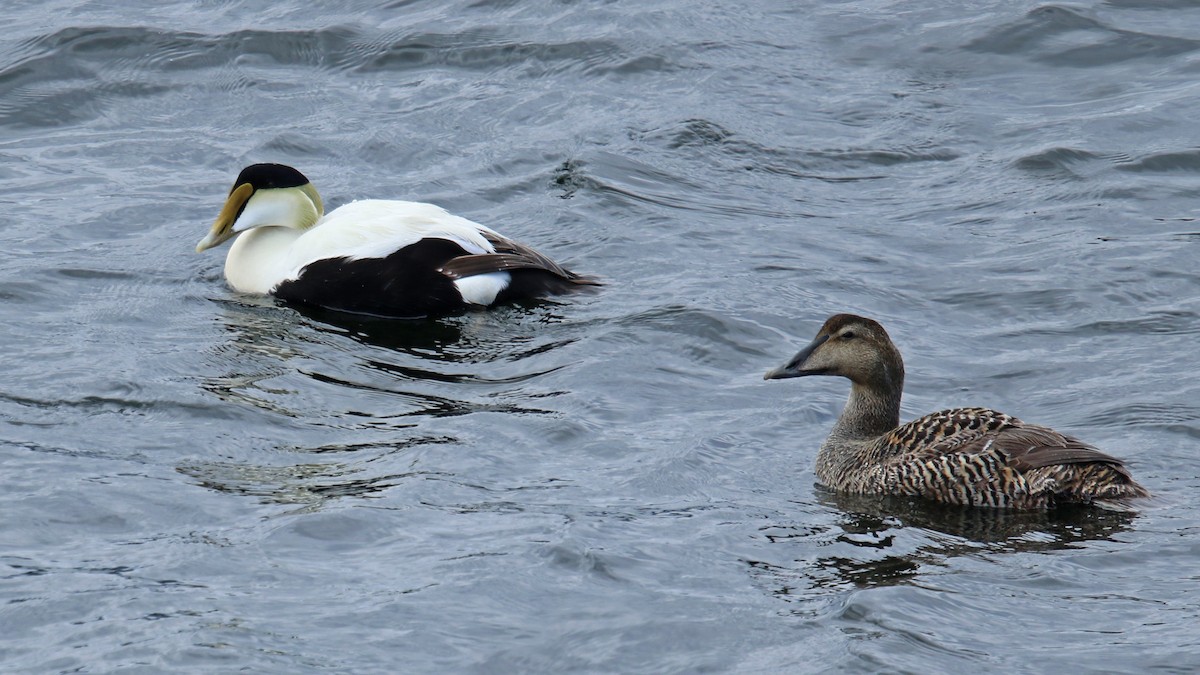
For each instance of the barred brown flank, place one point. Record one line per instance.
(968, 456)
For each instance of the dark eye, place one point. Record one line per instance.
(848, 335)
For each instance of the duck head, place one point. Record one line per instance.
(852, 347)
(265, 195)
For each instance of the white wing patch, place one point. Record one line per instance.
(482, 289)
(377, 228)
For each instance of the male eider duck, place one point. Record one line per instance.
(374, 257)
(968, 456)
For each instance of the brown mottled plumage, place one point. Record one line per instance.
(969, 456)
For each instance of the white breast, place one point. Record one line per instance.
(258, 259)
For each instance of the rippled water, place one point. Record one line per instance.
(196, 481)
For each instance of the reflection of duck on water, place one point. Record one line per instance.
(884, 540)
(429, 339)
(969, 456)
(871, 522)
(997, 529)
(415, 360)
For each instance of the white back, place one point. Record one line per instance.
(376, 228)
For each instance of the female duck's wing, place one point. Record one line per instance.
(1030, 446)
(977, 456)
(974, 431)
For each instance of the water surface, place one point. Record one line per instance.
(202, 482)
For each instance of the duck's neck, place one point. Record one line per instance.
(870, 412)
(258, 259)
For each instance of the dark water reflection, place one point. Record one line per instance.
(880, 542)
(875, 538)
(868, 520)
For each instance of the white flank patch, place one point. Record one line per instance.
(482, 289)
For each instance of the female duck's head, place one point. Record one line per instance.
(852, 347)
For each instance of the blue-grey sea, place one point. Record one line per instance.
(196, 481)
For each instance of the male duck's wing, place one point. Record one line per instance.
(509, 256)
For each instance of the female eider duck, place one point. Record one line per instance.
(968, 456)
(374, 257)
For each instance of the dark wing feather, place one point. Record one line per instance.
(978, 456)
(509, 256)
(948, 431)
(1031, 447)
(974, 431)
